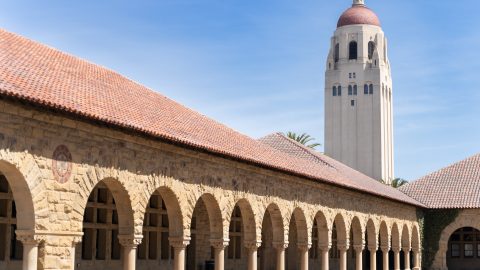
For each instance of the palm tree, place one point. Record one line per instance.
(396, 183)
(304, 139)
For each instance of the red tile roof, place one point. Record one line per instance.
(455, 186)
(34, 73)
(340, 170)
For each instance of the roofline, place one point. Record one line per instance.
(90, 118)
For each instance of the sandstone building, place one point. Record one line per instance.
(99, 172)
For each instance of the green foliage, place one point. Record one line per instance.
(304, 139)
(432, 224)
(396, 183)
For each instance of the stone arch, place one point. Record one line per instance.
(372, 234)
(21, 194)
(384, 236)
(126, 223)
(248, 219)
(175, 214)
(357, 232)
(341, 227)
(303, 233)
(395, 241)
(324, 231)
(466, 218)
(415, 239)
(406, 237)
(214, 215)
(277, 223)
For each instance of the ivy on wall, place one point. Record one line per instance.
(432, 223)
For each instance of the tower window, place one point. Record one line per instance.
(350, 90)
(355, 90)
(352, 102)
(371, 49)
(365, 89)
(370, 89)
(339, 90)
(334, 90)
(349, 75)
(337, 53)
(354, 75)
(352, 51)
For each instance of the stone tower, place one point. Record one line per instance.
(358, 95)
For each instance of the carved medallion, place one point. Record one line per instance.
(62, 164)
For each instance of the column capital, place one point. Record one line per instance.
(179, 242)
(324, 247)
(396, 249)
(372, 247)
(130, 240)
(304, 246)
(342, 247)
(219, 243)
(28, 237)
(358, 248)
(385, 248)
(406, 249)
(252, 245)
(280, 245)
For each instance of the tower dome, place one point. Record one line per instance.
(358, 14)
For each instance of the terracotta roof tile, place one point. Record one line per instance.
(336, 168)
(35, 73)
(455, 186)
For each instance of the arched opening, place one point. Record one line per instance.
(241, 230)
(272, 233)
(371, 245)
(350, 90)
(297, 236)
(107, 215)
(339, 90)
(206, 225)
(320, 241)
(11, 250)
(370, 89)
(162, 220)
(384, 243)
(356, 242)
(353, 50)
(337, 53)
(395, 242)
(371, 49)
(339, 241)
(334, 91)
(464, 249)
(406, 248)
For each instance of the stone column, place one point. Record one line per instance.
(280, 247)
(129, 244)
(304, 255)
(358, 256)
(373, 256)
(252, 248)
(30, 249)
(416, 260)
(406, 257)
(179, 245)
(343, 256)
(385, 261)
(325, 257)
(396, 258)
(219, 246)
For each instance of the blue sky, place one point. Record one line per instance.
(258, 66)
